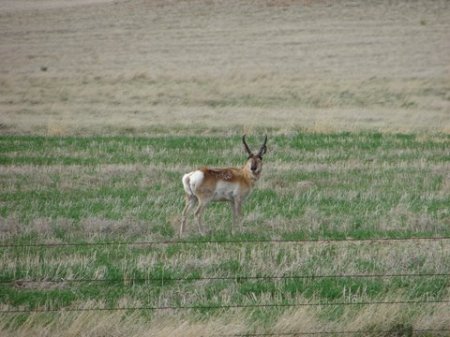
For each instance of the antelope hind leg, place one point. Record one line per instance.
(191, 200)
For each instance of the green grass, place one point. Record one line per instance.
(314, 186)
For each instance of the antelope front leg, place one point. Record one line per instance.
(237, 214)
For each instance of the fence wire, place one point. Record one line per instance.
(395, 332)
(236, 278)
(212, 241)
(224, 307)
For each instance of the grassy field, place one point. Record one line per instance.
(107, 195)
(105, 104)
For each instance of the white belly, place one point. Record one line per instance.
(226, 191)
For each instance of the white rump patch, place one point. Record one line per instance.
(192, 180)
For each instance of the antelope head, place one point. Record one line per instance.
(254, 161)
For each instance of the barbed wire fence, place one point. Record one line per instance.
(223, 307)
(237, 278)
(342, 333)
(232, 278)
(217, 241)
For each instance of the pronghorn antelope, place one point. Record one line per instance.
(224, 184)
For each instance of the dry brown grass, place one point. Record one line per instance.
(304, 319)
(181, 66)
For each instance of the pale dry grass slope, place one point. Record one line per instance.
(83, 67)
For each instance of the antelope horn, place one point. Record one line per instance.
(263, 148)
(246, 146)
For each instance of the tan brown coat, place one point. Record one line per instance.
(224, 184)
